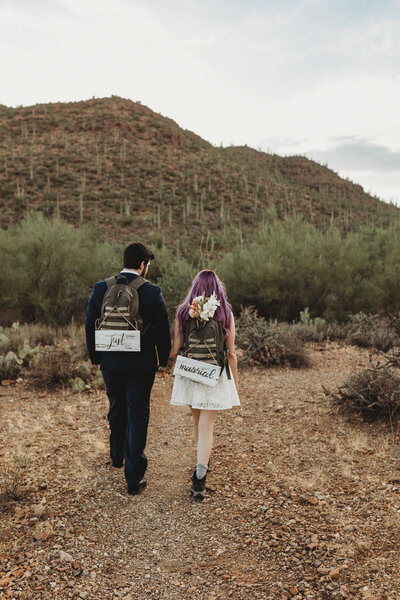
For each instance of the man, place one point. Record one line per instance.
(129, 376)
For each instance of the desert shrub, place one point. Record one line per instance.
(335, 331)
(395, 323)
(387, 248)
(48, 269)
(360, 329)
(305, 318)
(17, 336)
(372, 331)
(283, 268)
(384, 338)
(12, 482)
(10, 366)
(174, 274)
(308, 332)
(22, 343)
(85, 372)
(320, 331)
(77, 385)
(310, 329)
(99, 381)
(374, 393)
(289, 264)
(53, 367)
(26, 353)
(75, 334)
(268, 343)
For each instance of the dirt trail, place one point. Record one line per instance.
(302, 502)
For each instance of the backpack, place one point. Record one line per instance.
(204, 341)
(120, 306)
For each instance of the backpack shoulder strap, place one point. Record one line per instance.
(137, 282)
(186, 332)
(110, 281)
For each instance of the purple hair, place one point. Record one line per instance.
(206, 283)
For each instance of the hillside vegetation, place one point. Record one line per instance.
(135, 173)
(49, 266)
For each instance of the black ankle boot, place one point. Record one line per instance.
(198, 488)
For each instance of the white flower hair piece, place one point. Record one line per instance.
(203, 308)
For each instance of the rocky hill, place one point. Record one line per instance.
(132, 172)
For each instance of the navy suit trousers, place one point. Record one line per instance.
(129, 396)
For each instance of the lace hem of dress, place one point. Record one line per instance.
(197, 395)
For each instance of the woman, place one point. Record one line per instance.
(205, 401)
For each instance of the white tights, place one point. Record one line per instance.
(203, 421)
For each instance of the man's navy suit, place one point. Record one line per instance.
(129, 376)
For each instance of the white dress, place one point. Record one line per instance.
(197, 395)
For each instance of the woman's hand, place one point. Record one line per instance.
(170, 364)
(232, 358)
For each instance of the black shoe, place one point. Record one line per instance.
(136, 489)
(198, 487)
(117, 463)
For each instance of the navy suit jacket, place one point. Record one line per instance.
(153, 311)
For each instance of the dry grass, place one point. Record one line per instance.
(12, 481)
(375, 392)
(75, 334)
(33, 334)
(373, 331)
(53, 367)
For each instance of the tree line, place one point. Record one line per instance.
(48, 269)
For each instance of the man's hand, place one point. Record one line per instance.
(168, 367)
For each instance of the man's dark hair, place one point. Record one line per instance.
(135, 254)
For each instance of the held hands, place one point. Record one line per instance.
(167, 370)
(164, 371)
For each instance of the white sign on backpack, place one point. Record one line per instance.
(117, 340)
(197, 370)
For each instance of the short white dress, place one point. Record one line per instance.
(197, 395)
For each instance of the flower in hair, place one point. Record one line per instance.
(203, 308)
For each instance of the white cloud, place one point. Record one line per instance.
(358, 154)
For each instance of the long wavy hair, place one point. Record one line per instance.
(206, 283)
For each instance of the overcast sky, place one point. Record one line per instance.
(313, 77)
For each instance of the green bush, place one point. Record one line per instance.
(77, 385)
(174, 274)
(99, 381)
(10, 366)
(285, 267)
(48, 269)
(289, 265)
(85, 371)
(26, 354)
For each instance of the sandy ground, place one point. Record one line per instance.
(302, 501)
